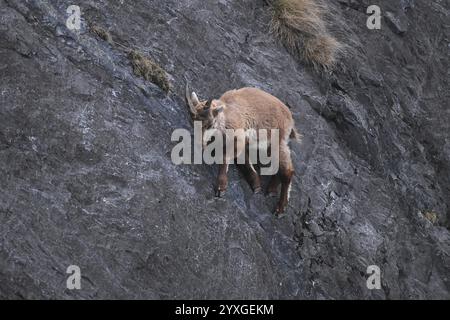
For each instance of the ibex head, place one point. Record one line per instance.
(205, 110)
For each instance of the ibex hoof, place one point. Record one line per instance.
(220, 193)
(272, 194)
(279, 210)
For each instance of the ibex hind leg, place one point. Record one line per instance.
(274, 182)
(285, 173)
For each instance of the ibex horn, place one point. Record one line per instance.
(191, 100)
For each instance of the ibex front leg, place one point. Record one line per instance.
(253, 177)
(222, 180)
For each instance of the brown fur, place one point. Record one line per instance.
(250, 108)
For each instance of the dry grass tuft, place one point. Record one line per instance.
(431, 216)
(142, 65)
(102, 33)
(305, 16)
(322, 51)
(300, 25)
(149, 70)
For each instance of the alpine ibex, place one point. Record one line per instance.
(249, 109)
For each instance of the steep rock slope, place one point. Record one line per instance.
(87, 177)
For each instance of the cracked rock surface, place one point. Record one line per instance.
(87, 178)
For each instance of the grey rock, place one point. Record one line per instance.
(397, 22)
(87, 179)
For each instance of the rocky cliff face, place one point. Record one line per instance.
(87, 178)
